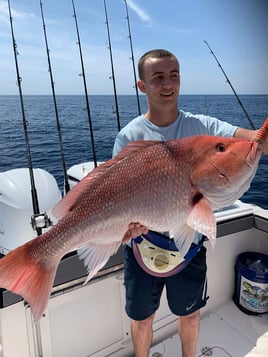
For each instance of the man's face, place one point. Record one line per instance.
(161, 80)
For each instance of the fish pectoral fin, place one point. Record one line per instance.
(202, 220)
(96, 256)
(183, 237)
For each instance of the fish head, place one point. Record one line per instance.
(222, 168)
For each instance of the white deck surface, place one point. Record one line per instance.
(226, 332)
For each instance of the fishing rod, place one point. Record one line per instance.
(35, 203)
(132, 59)
(112, 66)
(85, 87)
(67, 186)
(230, 84)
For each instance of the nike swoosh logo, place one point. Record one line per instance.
(189, 307)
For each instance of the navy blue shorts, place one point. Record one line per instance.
(186, 290)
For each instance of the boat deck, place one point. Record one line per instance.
(226, 332)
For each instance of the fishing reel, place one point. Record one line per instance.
(41, 220)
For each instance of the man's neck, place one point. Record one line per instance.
(162, 118)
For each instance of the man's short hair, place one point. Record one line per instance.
(157, 53)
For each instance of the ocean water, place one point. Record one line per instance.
(76, 140)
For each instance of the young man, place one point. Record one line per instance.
(159, 79)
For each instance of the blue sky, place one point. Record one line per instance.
(235, 29)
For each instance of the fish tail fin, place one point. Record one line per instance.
(22, 274)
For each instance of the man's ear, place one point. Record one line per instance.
(141, 85)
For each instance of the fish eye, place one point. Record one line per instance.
(220, 147)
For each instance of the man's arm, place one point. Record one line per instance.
(242, 133)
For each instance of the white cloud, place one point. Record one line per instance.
(4, 12)
(139, 11)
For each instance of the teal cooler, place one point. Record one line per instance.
(251, 283)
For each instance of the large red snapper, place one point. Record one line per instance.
(171, 185)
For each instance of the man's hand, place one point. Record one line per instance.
(252, 135)
(135, 229)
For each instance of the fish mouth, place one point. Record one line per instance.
(230, 184)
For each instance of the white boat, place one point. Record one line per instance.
(90, 320)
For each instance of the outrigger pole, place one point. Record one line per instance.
(112, 65)
(230, 84)
(85, 88)
(35, 203)
(67, 186)
(132, 59)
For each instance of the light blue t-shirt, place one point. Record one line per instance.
(185, 125)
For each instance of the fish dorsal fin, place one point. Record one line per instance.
(68, 203)
(135, 146)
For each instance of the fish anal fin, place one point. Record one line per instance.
(23, 275)
(96, 256)
(202, 219)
